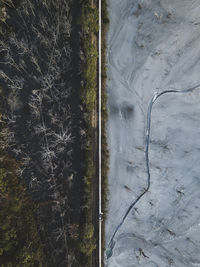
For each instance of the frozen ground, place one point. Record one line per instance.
(153, 46)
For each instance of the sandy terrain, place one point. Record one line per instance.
(153, 46)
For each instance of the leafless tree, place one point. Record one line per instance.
(38, 98)
(63, 137)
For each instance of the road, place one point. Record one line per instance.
(100, 211)
(100, 191)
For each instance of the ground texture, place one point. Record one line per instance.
(153, 46)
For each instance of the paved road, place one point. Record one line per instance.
(100, 191)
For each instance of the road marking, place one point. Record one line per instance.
(100, 211)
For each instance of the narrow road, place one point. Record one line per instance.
(100, 189)
(111, 244)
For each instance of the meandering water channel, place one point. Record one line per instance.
(111, 245)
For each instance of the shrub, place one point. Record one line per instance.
(89, 19)
(87, 244)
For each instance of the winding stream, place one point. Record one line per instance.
(111, 244)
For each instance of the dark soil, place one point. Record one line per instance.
(56, 183)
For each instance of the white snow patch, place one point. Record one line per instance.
(154, 45)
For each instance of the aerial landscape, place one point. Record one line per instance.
(99, 133)
(48, 133)
(153, 86)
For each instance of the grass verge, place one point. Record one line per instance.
(89, 23)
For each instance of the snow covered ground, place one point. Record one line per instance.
(154, 45)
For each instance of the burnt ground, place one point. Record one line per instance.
(41, 75)
(76, 195)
